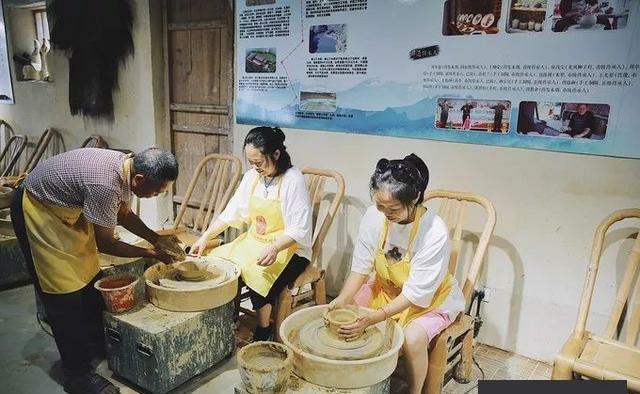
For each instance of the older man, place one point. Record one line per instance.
(63, 214)
(582, 123)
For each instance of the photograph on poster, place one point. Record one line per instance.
(563, 120)
(474, 115)
(471, 17)
(526, 16)
(318, 101)
(251, 3)
(260, 60)
(592, 15)
(328, 38)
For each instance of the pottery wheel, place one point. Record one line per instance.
(175, 281)
(316, 338)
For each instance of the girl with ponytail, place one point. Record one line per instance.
(273, 200)
(400, 264)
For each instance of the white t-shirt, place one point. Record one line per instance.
(294, 201)
(429, 260)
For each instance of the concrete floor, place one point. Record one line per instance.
(29, 361)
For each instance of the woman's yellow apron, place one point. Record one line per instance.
(266, 225)
(62, 243)
(391, 276)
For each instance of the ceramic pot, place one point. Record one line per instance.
(264, 367)
(523, 25)
(338, 317)
(531, 25)
(538, 27)
(515, 23)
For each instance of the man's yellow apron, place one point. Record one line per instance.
(266, 225)
(390, 277)
(62, 243)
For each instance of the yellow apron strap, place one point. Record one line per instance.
(279, 187)
(253, 187)
(414, 231)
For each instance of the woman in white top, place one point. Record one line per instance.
(273, 200)
(400, 264)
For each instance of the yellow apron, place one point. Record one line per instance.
(62, 243)
(390, 277)
(267, 224)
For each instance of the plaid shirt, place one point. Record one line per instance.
(88, 178)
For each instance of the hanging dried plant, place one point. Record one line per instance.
(97, 35)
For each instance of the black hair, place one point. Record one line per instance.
(268, 140)
(156, 165)
(405, 179)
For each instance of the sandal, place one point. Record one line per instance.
(91, 383)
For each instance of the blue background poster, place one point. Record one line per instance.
(557, 74)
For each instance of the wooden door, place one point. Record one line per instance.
(199, 55)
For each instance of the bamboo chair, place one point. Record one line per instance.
(220, 184)
(11, 154)
(43, 146)
(606, 357)
(95, 141)
(310, 285)
(451, 352)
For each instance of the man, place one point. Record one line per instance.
(582, 123)
(64, 213)
(444, 113)
(498, 114)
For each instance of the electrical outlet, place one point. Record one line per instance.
(488, 294)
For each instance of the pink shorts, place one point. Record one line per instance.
(433, 322)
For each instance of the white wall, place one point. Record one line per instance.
(548, 207)
(139, 119)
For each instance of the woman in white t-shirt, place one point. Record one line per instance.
(400, 264)
(273, 200)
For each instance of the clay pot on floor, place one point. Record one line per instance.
(265, 367)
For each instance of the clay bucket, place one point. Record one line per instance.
(265, 367)
(335, 318)
(118, 292)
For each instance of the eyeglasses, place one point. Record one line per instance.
(400, 171)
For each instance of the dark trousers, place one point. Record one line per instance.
(294, 268)
(75, 318)
(497, 124)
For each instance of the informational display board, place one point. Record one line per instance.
(558, 75)
(6, 87)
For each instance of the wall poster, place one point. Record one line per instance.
(6, 87)
(558, 75)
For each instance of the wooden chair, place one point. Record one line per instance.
(606, 357)
(11, 154)
(451, 352)
(310, 285)
(95, 141)
(221, 182)
(50, 142)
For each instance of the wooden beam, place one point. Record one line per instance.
(191, 128)
(200, 108)
(206, 25)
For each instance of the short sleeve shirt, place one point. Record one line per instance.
(87, 178)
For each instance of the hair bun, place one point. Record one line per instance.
(278, 131)
(417, 163)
